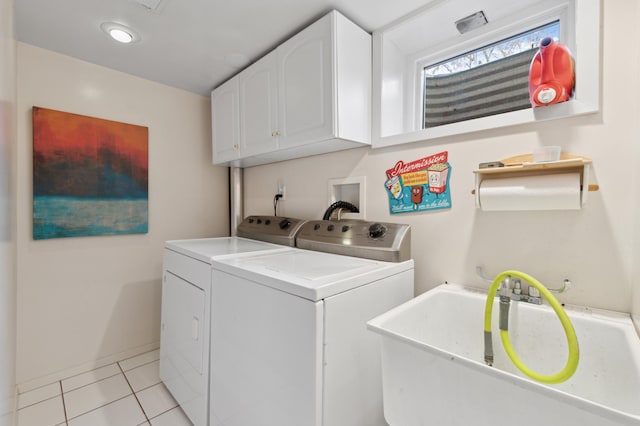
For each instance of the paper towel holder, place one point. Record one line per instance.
(523, 165)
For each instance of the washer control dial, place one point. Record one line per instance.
(284, 224)
(377, 230)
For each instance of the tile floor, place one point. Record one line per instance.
(127, 393)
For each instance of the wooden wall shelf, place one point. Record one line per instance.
(525, 166)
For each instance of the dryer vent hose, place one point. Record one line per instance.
(339, 205)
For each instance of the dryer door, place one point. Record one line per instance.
(182, 345)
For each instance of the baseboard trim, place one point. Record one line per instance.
(8, 409)
(69, 372)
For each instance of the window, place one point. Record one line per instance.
(486, 81)
(420, 53)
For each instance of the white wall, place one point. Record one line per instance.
(7, 213)
(592, 247)
(635, 273)
(84, 301)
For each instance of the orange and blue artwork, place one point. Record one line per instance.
(90, 176)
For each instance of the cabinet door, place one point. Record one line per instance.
(225, 122)
(259, 107)
(305, 75)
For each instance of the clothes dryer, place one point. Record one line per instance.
(186, 296)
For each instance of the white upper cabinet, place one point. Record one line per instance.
(259, 107)
(225, 122)
(311, 95)
(305, 77)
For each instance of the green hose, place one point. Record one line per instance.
(572, 341)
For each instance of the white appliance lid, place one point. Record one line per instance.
(205, 249)
(309, 274)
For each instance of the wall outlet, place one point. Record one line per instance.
(282, 190)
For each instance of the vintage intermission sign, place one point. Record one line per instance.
(420, 185)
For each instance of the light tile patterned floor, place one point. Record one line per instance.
(126, 393)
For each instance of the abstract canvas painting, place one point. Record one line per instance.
(90, 176)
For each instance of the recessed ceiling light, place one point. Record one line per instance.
(119, 32)
(120, 35)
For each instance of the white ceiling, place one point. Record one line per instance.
(185, 43)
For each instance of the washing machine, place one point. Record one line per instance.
(288, 329)
(186, 307)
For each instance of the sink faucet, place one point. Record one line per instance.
(501, 284)
(532, 294)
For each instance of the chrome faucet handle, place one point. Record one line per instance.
(505, 290)
(566, 285)
(517, 286)
(534, 292)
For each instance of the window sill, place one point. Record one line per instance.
(562, 110)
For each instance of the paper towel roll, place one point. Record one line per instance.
(540, 192)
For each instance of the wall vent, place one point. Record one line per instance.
(151, 5)
(471, 22)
